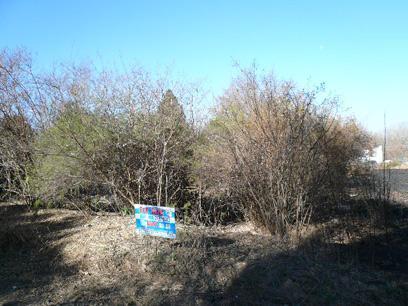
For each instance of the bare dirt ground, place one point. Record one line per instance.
(62, 257)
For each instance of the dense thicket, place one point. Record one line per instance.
(99, 139)
(280, 151)
(104, 140)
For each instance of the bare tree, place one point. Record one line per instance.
(397, 143)
(21, 104)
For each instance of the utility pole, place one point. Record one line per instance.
(384, 152)
(385, 182)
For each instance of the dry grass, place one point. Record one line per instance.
(64, 257)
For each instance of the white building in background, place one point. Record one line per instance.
(375, 155)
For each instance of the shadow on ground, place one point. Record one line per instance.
(369, 271)
(30, 257)
(208, 268)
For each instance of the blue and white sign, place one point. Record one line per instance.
(156, 220)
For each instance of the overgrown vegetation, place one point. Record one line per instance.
(272, 153)
(98, 140)
(76, 137)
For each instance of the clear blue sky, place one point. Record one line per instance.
(359, 48)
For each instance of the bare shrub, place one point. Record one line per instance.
(280, 150)
(19, 113)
